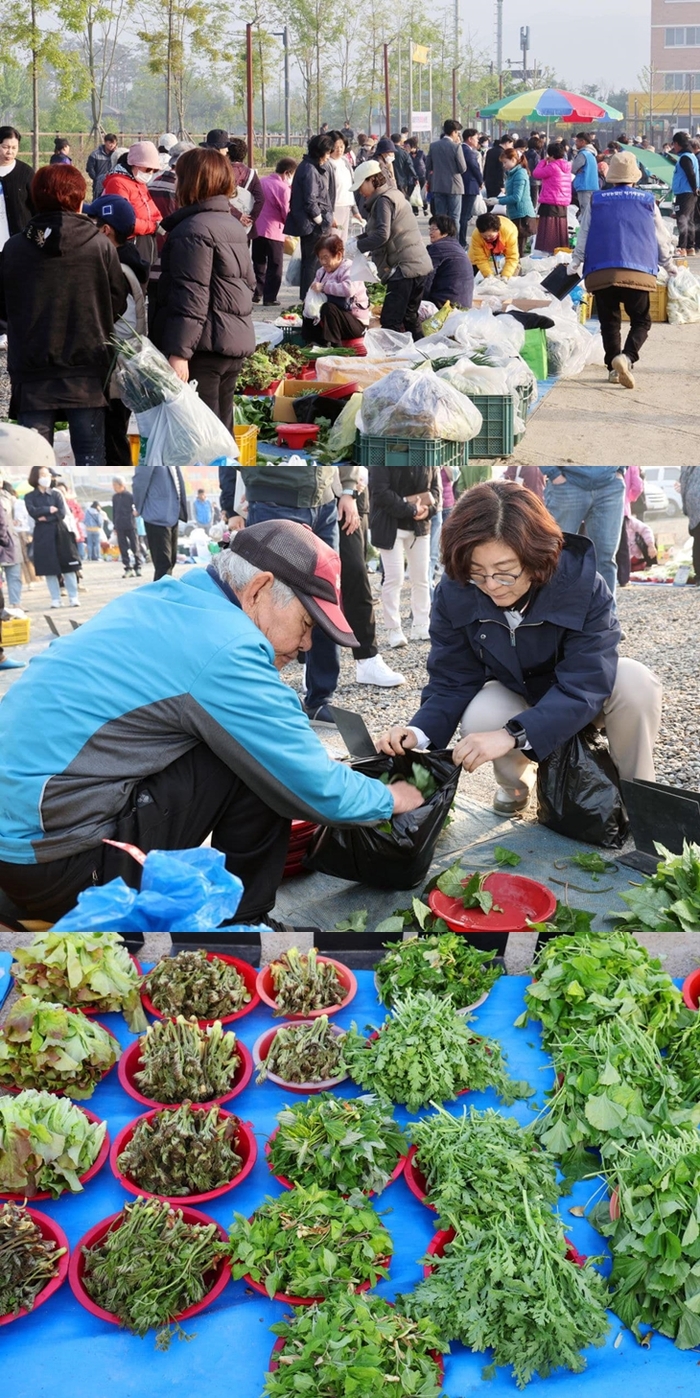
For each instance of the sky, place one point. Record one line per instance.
(596, 42)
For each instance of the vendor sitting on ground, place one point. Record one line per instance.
(345, 314)
(524, 649)
(493, 250)
(165, 720)
(452, 278)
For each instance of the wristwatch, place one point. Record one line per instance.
(516, 731)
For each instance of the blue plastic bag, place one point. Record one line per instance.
(187, 890)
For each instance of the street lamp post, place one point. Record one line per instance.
(283, 34)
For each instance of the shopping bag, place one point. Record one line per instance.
(480, 206)
(314, 302)
(398, 853)
(290, 245)
(293, 273)
(578, 792)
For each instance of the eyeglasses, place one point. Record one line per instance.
(500, 579)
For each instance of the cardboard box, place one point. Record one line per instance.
(520, 303)
(285, 393)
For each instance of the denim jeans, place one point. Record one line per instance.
(13, 578)
(601, 511)
(323, 660)
(54, 587)
(93, 544)
(85, 425)
(450, 204)
(435, 529)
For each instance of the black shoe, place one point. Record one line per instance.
(320, 717)
(256, 299)
(272, 303)
(127, 573)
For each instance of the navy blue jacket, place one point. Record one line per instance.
(562, 658)
(310, 197)
(472, 179)
(452, 278)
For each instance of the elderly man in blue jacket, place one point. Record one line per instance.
(165, 720)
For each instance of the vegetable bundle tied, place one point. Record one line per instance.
(304, 1052)
(444, 963)
(310, 1242)
(427, 1053)
(28, 1261)
(48, 1047)
(151, 1266)
(302, 983)
(46, 1143)
(187, 1151)
(189, 984)
(182, 1062)
(342, 1144)
(88, 970)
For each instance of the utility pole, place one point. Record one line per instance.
(283, 34)
(524, 44)
(250, 121)
(169, 69)
(35, 89)
(409, 123)
(386, 90)
(454, 92)
(499, 44)
(398, 123)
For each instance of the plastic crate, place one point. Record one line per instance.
(291, 334)
(410, 451)
(658, 305)
(15, 632)
(247, 443)
(496, 436)
(585, 307)
(534, 352)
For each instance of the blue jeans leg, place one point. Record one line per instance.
(323, 660)
(13, 578)
(435, 528)
(54, 588)
(450, 204)
(600, 510)
(93, 544)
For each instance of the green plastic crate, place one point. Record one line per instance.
(496, 435)
(291, 335)
(534, 352)
(409, 451)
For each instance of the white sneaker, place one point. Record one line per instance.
(75, 603)
(420, 633)
(396, 639)
(624, 370)
(376, 671)
(57, 604)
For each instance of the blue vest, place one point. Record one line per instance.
(681, 183)
(622, 232)
(587, 178)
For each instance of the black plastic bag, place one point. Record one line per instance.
(396, 858)
(578, 792)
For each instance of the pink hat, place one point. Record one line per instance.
(144, 153)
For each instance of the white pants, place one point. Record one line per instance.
(632, 716)
(341, 216)
(415, 550)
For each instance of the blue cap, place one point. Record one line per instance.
(112, 209)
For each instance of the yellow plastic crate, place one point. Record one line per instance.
(247, 443)
(658, 305)
(16, 631)
(134, 447)
(585, 307)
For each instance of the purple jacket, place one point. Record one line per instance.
(556, 181)
(338, 283)
(276, 195)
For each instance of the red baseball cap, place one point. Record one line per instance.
(295, 556)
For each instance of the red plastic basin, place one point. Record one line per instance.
(246, 1147)
(415, 1179)
(84, 1178)
(296, 434)
(263, 392)
(280, 1344)
(437, 1245)
(49, 1230)
(691, 990)
(266, 990)
(76, 1270)
(523, 901)
(289, 1184)
(262, 1047)
(130, 1064)
(248, 974)
(304, 1300)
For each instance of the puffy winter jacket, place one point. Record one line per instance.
(452, 278)
(481, 253)
(518, 201)
(562, 658)
(121, 181)
(555, 176)
(392, 236)
(276, 196)
(205, 292)
(310, 198)
(388, 511)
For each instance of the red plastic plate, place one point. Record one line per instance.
(247, 972)
(266, 990)
(691, 990)
(51, 1230)
(261, 1048)
(438, 1243)
(246, 1147)
(130, 1064)
(415, 1179)
(84, 1178)
(522, 900)
(95, 1235)
(289, 1184)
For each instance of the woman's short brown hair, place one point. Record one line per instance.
(202, 174)
(330, 242)
(501, 510)
(56, 187)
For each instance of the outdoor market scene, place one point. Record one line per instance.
(349, 715)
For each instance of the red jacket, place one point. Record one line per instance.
(148, 215)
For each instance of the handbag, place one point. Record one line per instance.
(243, 200)
(578, 792)
(66, 548)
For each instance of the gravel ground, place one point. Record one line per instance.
(4, 386)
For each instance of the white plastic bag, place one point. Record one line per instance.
(314, 302)
(293, 273)
(341, 438)
(468, 377)
(384, 344)
(683, 298)
(416, 199)
(183, 431)
(363, 268)
(419, 404)
(331, 368)
(266, 334)
(479, 206)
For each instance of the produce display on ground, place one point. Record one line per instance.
(50, 1048)
(186, 1151)
(28, 1261)
(492, 1166)
(46, 1144)
(304, 1052)
(182, 1062)
(88, 970)
(303, 982)
(445, 963)
(341, 1144)
(192, 984)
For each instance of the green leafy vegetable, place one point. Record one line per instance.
(46, 1143)
(420, 777)
(446, 964)
(478, 1163)
(181, 1062)
(88, 970)
(504, 856)
(190, 984)
(356, 922)
(264, 365)
(668, 901)
(256, 412)
(427, 1053)
(50, 1048)
(684, 1056)
(310, 1242)
(186, 1151)
(468, 888)
(28, 1261)
(303, 983)
(343, 1144)
(304, 1053)
(591, 862)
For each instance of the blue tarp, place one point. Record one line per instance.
(63, 1352)
(5, 982)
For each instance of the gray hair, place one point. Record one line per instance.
(238, 572)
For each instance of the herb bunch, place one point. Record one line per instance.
(457, 882)
(303, 983)
(151, 1266)
(189, 984)
(181, 1062)
(48, 1047)
(684, 1057)
(444, 963)
(479, 1163)
(308, 1051)
(28, 1261)
(669, 900)
(86, 970)
(310, 1242)
(427, 1053)
(357, 1345)
(342, 1144)
(187, 1151)
(46, 1143)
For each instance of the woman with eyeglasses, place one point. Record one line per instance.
(524, 649)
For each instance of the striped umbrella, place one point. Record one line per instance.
(552, 103)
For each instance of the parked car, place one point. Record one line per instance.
(666, 479)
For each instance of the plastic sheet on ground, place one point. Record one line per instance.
(267, 334)
(683, 298)
(419, 404)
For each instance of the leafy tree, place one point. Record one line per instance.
(35, 30)
(172, 31)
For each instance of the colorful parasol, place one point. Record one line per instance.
(553, 103)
